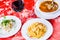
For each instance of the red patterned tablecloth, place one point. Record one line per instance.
(26, 14)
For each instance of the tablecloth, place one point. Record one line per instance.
(26, 14)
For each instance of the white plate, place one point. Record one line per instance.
(29, 22)
(45, 15)
(14, 30)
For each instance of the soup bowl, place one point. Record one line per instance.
(46, 15)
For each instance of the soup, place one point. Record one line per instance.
(36, 30)
(48, 6)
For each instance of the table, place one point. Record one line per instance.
(26, 14)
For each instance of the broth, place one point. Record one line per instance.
(47, 6)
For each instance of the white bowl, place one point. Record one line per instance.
(14, 30)
(29, 22)
(47, 15)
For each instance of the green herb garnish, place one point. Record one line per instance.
(5, 22)
(4, 17)
(12, 20)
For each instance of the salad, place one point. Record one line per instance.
(7, 24)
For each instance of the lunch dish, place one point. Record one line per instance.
(37, 29)
(47, 10)
(9, 25)
(48, 6)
